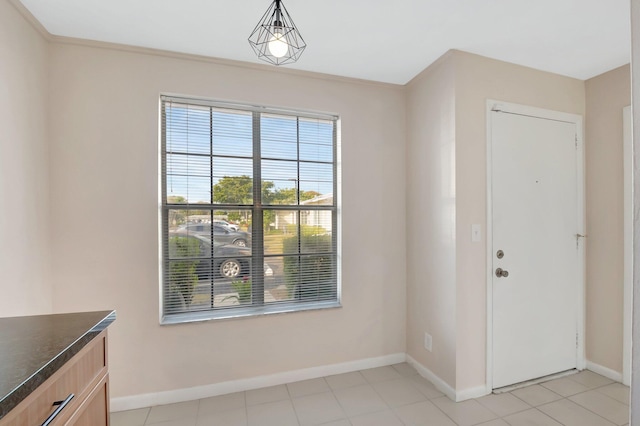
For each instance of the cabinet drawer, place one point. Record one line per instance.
(78, 376)
(94, 410)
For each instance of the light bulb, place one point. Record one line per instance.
(278, 45)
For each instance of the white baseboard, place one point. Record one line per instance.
(472, 393)
(124, 403)
(440, 384)
(444, 387)
(604, 371)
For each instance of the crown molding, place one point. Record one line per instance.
(217, 61)
(26, 14)
(190, 57)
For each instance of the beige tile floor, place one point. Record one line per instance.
(396, 395)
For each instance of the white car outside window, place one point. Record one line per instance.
(227, 224)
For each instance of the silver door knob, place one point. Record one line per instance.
(501, 273)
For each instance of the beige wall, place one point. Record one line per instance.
(477, 80)
(80, 128)
(606, 96)
(635, 93)
(455, 92)
(104, 156)
(24, 168)
(431, 210)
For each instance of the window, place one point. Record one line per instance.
(249, 210)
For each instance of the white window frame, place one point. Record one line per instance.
(258, 307)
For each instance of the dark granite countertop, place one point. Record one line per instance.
(32, 348)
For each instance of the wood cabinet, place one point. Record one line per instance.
(86, 377)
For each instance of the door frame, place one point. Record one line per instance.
(494, 105)
(627, 150)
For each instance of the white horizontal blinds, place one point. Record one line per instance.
(210, 183)
(232, 136)
(186, 182)
(188, 153)
(232, 169)
(298, 173)
(209, 171)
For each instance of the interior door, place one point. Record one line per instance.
(535, 226)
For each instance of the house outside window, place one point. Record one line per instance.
(249, 216)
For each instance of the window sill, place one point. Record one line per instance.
(248, 312)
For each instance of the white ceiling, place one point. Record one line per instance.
(388, 41)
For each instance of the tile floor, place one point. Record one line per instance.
(396, 396)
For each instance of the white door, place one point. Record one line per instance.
(535, 224)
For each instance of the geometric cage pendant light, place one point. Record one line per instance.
(276, 39)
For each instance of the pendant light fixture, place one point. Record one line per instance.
(276, 39)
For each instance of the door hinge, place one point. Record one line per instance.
(576, 135)
(576, 340)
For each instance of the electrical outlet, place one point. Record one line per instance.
(427, 341)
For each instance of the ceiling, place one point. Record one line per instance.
(387, 41)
